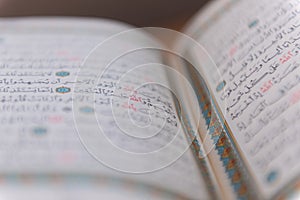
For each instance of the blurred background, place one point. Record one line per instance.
(170, 14)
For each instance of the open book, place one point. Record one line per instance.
(82, 117)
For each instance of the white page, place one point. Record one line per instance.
(255, 45)
(37, 121)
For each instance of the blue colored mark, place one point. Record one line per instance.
(39, 131)
(272, 176)
(62, 74)
(253, 24)
(63, 90)
(221, 86)
(86, 109)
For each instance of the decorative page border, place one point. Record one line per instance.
(223, 145)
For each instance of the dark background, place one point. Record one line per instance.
(163, 13)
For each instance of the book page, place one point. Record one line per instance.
(255, 83)
(40, 84)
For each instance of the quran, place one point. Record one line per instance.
(94, 108)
